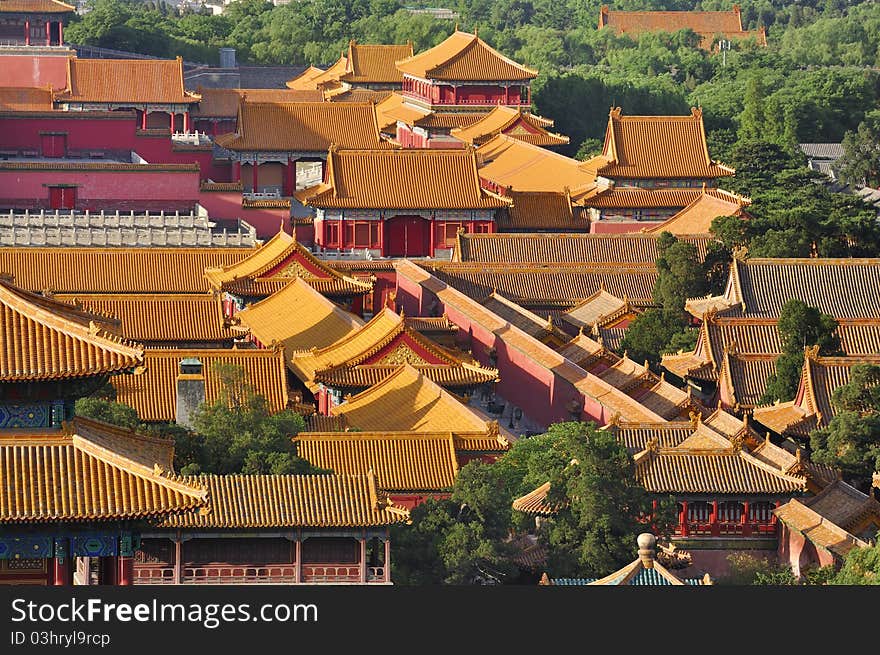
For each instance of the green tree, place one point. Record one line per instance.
(603, 507)
(237, 433)
(861, 567)
(799, 326)
(851, 441)
(860, 164)
(752, 119)
(462, 540)
(108, 411)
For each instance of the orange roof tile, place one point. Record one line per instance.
(656, 147)
(513, 122)
(25, 99)
(396, 108)
(697, 217)
(180, 318)
(35, 7)
(464, 57)
(305, 81)
(520, 166)
(374, 64)
(402, 461)
(46, 339)
(289, 501)
(156, 81)
(272, 265)
(348, 93)
(401, 179)
(303, 127)
(819, 530)
(153, 393)
(350, 361)
(601, 306)
(408, 400)
(92, 471)
(535, 502)
(631, 248)
(319, 322)
(705, 23)
(541, 210)
(223, 103)
(116, 270)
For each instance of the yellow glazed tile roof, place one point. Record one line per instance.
(705, 23)
(697, 217)
(290, 501)
(401, 179)
(18, 99)
(375, 64)
(271, 266)
(303, 127)
(159, 317)
(35, 7)
(516, 123)
(520, 166)
(223, 103)
(408, 400)
(156, 81)
(116, 270)
(402, 461)
(44, 339)
(820, 530)
(319, 322)
(153, 393)
(465, 57)
(656, 147)
(541, 210)
(305, 81)
(618, 249)
(92, 471)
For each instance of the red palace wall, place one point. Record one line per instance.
(539, 392)
(227, 205)
(412, 500)
(101, 132)
(96, 190)
(34, 70)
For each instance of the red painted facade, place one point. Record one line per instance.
(35, 70)
(156, 190)
(116, 134)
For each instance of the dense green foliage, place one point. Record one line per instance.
(815, 82)
(861, 566)
(234, 434)
(851, 441)
(681, 275)
(466, 539)
(237, 433)
(799, 326)
(792, 215)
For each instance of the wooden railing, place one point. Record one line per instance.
(268, 574)
(726, 529)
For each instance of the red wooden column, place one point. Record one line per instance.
(747, 528)
(254, 168)
(144, 119)
(381, 228)
(290, 177)
(178, 563)
(363, 576)
(684, 518)
(433, 242)
(186, 122)
(48, 33)
(387, 557)
(125, 570)
(62, 571)
(298, 569)
(60, 32)
(713, 520)
(27, 31)
(236, 171)
(172, 123)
